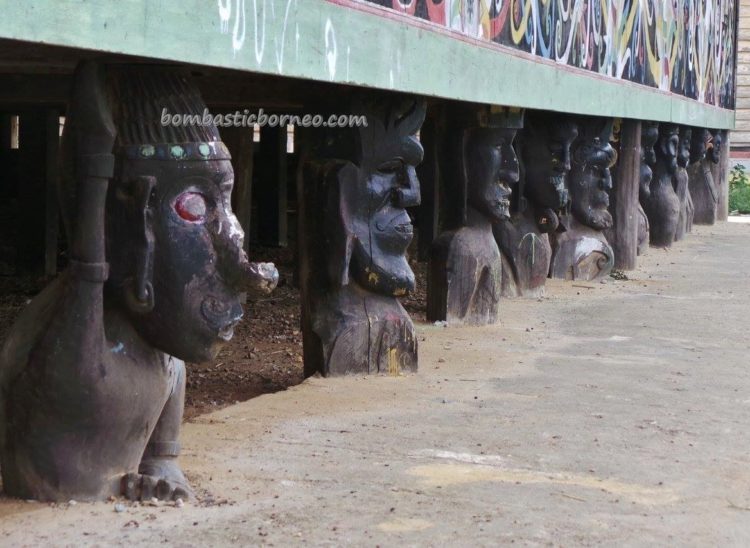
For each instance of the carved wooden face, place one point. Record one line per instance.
(373, 204)
(649, 135)
(683, 153)
(198, 266)
(667, 147)
(491, 168)
(699, 139)
(547, 161)
(717, 140)
(591, 182)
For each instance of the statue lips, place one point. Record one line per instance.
(221, 315)
(398, 228)
(501, 204)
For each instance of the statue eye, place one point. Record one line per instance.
(191, 206)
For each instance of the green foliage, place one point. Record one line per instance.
(739, 190)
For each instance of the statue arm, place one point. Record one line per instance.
(74, 338)
(75, 335)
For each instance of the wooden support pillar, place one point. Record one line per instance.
(4, 131)
(626, 177)
(240, 144)
(271, 189)
(32, 192)
(429, 180)
(52, 211)
(353, 234)
(721, 177)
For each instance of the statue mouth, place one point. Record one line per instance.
(405, 228)
(221, 315)
(502, 206)
(400, 224)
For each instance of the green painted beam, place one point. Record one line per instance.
(321, 40)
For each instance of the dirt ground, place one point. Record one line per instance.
(603, 413)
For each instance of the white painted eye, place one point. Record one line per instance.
(191, 207)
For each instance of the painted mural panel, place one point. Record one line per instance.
(683, 46)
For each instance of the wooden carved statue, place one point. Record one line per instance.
(685, 219)
(92, 379)
(355, 186)
(720, 171)
(705, 152)
(649, 136)
(662, 206)
(538, 203)
(465, 275)
(582, 251)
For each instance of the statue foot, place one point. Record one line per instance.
(157, 477)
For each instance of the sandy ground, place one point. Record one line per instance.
(609, 413)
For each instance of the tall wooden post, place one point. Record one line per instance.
(625, 196)
(721, 179)
(52, 212)
(4, 131)
(32, 192)
(271, 191)
(429, 179)
(244, 181)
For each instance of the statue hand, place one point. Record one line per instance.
(157, 477)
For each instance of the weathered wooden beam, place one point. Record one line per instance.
(721, 176)
(243, 181)
(353, 188)
(32, 191)
(626, 177)
(51, 205)
(271, 191)
(429, 179)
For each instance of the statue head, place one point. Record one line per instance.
(698, 142)
(717, 141)
(590, 179)
(486, 167)
(667, 147)
(177, 266)
(683, 152)
(649, 136)
(546, 154)
(369, 180)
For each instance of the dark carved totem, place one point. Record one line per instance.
(466, 269)
(541, 203)
(537, 201)
(649, 136)
(582, 252)
(706, 151)
(662, 206)
(685, 219)
(92, 380)
(355, 185)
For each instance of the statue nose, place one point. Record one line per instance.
(241, 274)
(408, 195)
(261, 278)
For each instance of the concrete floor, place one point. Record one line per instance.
(609, 413)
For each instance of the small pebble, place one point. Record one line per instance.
(72, 502)
(178, 503)
(119, 508)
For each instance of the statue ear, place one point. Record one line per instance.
(139, 291)
(341, 183)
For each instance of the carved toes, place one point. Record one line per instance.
(142, 487)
